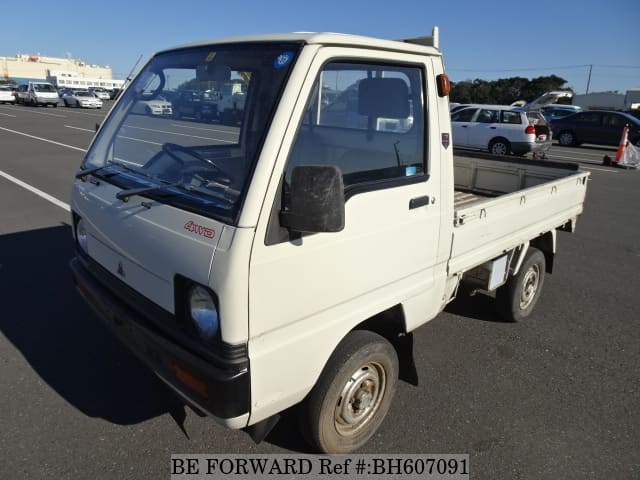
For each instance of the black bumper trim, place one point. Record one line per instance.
(222, 389)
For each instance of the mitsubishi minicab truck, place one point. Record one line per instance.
(285, 258)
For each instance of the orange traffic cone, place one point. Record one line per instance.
(623, 143)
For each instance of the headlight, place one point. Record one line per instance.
(81, 236)
(203, 312)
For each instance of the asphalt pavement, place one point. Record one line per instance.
(554, 397)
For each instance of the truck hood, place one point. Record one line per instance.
(145, 247)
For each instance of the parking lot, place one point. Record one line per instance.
(554, 397)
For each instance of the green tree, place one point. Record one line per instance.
(504, 91)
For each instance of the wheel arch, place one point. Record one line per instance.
(391, 324)
(546, 243)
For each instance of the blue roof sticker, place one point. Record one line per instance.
(283, 60)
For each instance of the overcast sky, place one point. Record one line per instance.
(480, 39)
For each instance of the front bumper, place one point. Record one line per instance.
(220, 388)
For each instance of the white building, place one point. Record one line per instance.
(59, 71)
(609, 100)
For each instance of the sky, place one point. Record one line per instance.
(479, 39)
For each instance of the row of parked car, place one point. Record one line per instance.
(504, 130)
(43, 93)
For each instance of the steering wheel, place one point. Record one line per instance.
(171, 149)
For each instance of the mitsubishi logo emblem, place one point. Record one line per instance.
(121, 270)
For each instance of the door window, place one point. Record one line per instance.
(366, 119)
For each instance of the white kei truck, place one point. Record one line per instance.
(284, 261)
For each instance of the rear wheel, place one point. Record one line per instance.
(500, 146)
(353, 394)
(517, 298)
(566, 138)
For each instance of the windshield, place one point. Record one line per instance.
(43, 87)
(200, 154)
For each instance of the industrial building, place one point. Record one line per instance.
(62, 72)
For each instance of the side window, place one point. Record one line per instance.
(615, 121)
(488, 116)
(588, 119)
(464, 115)
(511, 117)
(366, 119)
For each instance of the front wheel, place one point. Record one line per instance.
(517, 298)
(353, 394)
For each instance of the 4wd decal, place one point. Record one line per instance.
(193, 227)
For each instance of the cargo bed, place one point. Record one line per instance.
(500, 204)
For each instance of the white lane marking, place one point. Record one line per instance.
(138, 140)
(38, 192)
(180, 134)
(599, 169)
(31, 110)
(43, 139)
(78, 128)
(204, 129)
(7, 115)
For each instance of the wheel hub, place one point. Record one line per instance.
(529, 286)
(360, 398)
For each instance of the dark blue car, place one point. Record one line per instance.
(599, 127)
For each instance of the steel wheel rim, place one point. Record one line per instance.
(499, 149)
(360, 399)
(530, 286)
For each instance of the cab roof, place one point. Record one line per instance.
(323, 38)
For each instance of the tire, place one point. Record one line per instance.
(499, 146)
(517, 298)
(353, 394)
(566, 138)
(78, 104)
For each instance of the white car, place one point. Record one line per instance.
(156, 106)
(81, 98)
(100, 93)
(500, 129)
(6, 95)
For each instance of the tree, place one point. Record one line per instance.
(504, 91)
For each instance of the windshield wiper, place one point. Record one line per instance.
(125, 194)
(83, 173)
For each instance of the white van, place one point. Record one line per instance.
(42, 93)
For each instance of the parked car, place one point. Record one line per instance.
(600, 127)
(81, 98)
(40, 93)
(113, 94)
(154, 106)
(554, 111)
(194, 104)
(100, 93)
(6, 95)
(22, 94)
(500, 129)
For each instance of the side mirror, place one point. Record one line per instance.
(316, 199)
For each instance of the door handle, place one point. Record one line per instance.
(492, 128)
(418, 202)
